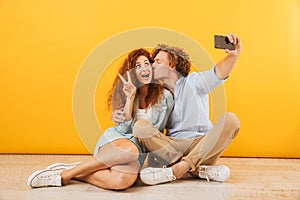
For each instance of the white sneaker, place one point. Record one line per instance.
(45, 177)
(218, 173)
(153, 176)
(62, 166)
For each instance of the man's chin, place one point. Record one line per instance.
(156, 77)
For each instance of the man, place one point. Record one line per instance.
(192, 144)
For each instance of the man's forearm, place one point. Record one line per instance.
(225, 66)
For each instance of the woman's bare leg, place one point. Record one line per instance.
(118, 152)
(118, 177)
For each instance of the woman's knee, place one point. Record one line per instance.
(123, 181)
(122, 148)
(125, 176)
(128, 149)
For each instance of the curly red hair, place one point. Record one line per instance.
(116, 96)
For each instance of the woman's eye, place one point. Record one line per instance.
(138, 66)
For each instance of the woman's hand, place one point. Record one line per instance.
(129, 89)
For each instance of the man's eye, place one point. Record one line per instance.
(147, 64)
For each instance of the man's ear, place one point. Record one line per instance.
(173, 67)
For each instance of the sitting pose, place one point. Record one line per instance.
(118, 156)
(192, 143)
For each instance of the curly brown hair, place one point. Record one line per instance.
(176, 56)
(116, 96)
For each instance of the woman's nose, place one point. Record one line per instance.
(145, 67)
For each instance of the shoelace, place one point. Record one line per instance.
(50, 179)
(212, 173)
(203, 170)
(160, 176)
(48, 176)
(170, 177)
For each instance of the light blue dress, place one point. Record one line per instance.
(159, 118)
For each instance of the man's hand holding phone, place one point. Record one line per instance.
(231, 43)
(226, 65)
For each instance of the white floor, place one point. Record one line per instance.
(251, 178)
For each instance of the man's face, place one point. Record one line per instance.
(161, 65)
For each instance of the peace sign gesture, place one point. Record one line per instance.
(129, 89)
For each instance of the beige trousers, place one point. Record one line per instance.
(201, 150)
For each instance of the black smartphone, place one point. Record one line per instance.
(222, 42)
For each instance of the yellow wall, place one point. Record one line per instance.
(44, 43)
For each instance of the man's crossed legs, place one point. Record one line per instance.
(195, 155)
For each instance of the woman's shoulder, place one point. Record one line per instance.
(167, 93)
(168, 97)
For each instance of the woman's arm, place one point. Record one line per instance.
(128, 108)
(130, 91)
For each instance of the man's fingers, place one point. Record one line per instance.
(119, 112)
(238, 41)
(119, 119)
(229, 37)
(118, 116)
(232, 38)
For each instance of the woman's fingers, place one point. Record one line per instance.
(128, 77)
(122, 79)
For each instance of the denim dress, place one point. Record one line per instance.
(160, 113)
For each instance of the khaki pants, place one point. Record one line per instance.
(197, 151)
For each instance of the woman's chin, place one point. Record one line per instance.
(145, 82)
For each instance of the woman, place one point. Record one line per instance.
(118, 156)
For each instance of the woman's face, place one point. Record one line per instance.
(143, 70)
